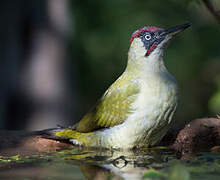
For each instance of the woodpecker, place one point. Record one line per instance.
(137, 109)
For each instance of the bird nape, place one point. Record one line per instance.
(137, 109)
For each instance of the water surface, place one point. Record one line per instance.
(76, 163)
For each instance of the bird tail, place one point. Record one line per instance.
(69, 135)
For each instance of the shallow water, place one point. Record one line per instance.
(80, 164)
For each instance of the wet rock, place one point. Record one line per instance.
(26, 143)
(197, 136)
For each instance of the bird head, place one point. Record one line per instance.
(149, 42)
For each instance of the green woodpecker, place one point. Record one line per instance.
(137, 109)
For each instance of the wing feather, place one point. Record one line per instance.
(113, 108)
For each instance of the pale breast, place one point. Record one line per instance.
(152, 113)
(154, 107)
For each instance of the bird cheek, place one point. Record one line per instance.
(152, 47)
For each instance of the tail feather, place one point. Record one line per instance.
(68, 135)
(51, 133)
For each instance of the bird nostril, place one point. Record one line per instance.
(157, 36)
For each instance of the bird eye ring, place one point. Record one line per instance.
(148, 37)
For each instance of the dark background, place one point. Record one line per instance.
(57, 57)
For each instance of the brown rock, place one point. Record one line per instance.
(197, 136)
(26, 143)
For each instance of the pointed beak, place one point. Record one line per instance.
(175, 30)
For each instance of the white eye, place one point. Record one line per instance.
(147, 36)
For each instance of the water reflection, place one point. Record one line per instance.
(76, 163)
(120, 164)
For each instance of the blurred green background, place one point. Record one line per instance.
(95, 41)
(103, 29)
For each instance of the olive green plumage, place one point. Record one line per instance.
(113, 108)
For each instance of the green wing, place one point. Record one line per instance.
(113, 108)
